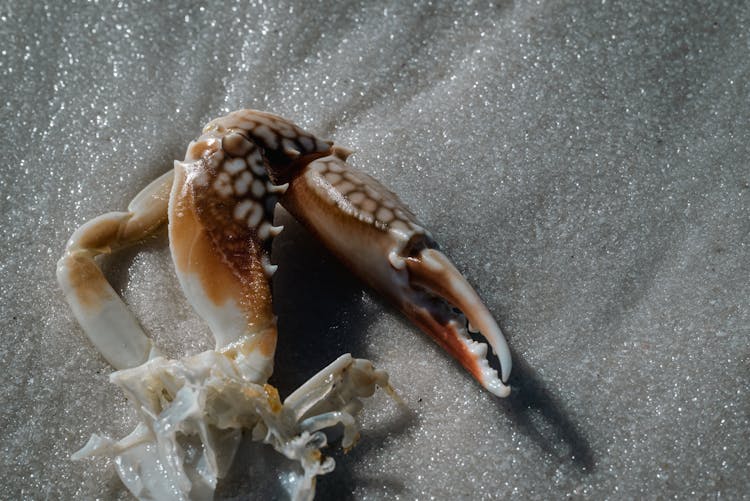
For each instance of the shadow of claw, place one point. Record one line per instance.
(538, 414)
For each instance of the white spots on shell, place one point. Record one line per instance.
(267, 136)
(332, 177)
(372, 193)
(307, 143)
(242, 208)
(384, 215)
(286, 130)
(242, 183)
(244, 124)
(223, 184)
(259, 118)
(345, 187)
(236, 144)
(255, 161)
(400, 226)
(214, 159)
(365, 198)
(256, 214)
(351, 176)
(235, 165)
(356, 198)
(333, 167)
(258, 190)
(369, 205)
(290, 149)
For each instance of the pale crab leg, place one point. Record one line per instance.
(345, 380)
(105, 319)
(381, 241)
(331, 419)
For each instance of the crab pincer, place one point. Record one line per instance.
(380, 240)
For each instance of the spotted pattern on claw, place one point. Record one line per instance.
(363, 197)
(232, 199)
(277, 136)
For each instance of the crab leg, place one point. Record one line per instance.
(333, 396)
(344, 380)
(105, 319)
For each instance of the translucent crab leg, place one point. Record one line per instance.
(331, 419)
(338, 386)
(104, 317)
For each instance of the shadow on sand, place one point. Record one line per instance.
(539, 415)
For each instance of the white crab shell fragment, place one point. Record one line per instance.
(193, 413)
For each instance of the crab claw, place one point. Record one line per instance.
(373, 233)
(433, 272)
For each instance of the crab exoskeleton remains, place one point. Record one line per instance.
(219, 203)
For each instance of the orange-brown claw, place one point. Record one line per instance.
(432, 271)
(380, 240)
